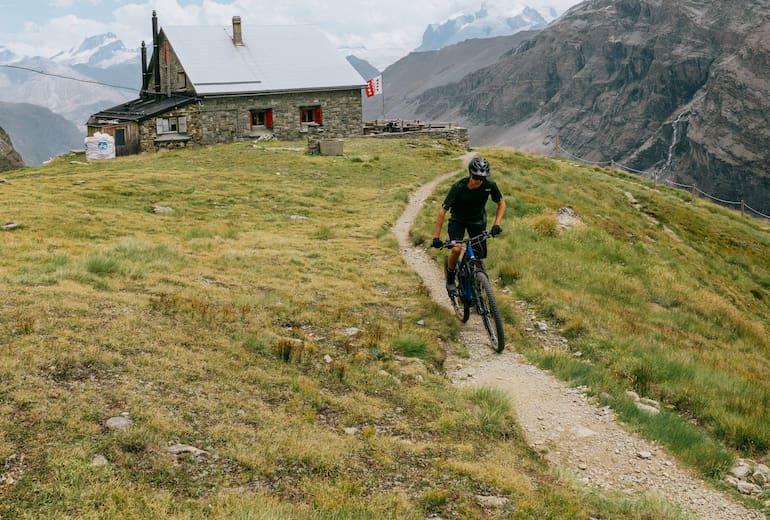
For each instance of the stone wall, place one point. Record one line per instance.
(227, 119)
(148, 138)
(457, 135)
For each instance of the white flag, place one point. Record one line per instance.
(374, 86)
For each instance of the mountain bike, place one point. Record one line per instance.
(474, 290)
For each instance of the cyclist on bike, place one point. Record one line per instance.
(467, 199)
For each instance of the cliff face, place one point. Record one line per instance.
(675, 89)
(9, 158)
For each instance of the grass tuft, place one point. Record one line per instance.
(543, 224)
(101, 264)
(410, 345)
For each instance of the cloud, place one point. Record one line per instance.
(380, 31)
(364, 27)
(70, 3)
(55, 35)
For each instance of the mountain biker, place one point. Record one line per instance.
(467, 199)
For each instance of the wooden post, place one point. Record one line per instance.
(743, 208)
(692, 193)
(556, 145)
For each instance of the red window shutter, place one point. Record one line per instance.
(318, 116)
(269, 118)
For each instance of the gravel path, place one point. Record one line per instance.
(575, 435)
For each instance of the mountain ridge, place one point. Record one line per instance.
(617, 81)
(100, 51)
(405, 80)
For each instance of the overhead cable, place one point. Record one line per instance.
(44, 73)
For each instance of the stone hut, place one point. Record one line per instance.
(213, 84)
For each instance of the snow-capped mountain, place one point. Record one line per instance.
(73, 83)
(487, 22)
(101, 52)
(104, 58)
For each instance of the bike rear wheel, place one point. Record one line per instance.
(490, 315)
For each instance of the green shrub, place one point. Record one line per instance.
(411, 345)
(102, 264)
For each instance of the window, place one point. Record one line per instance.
(171, 125)
(310, 115)
(262, 117)
(181, 80)
(120, 137)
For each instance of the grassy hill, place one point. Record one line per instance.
(657, 293)
(249, 301)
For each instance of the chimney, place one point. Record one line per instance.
(156, 52)
(237, 35)
(145, 74)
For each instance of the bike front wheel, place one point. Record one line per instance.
(461, 307)
(490, 314)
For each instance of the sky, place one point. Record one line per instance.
(380, 31)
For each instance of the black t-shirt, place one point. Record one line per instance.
(469, 206)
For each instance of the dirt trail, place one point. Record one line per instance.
(577, 437)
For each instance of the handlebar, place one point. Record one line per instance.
(449, 244)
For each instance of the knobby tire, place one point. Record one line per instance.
(459, 304)
(490, 315)
(462, 309)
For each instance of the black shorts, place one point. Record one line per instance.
(457, 232)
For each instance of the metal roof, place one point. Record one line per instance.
(139, 110)
(272, 58)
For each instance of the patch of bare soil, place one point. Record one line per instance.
(575, 435)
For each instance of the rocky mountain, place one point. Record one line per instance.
(37, 133)
(484, 23)
(9, 157)
(676, 90)
(366, 69)
(405, 80)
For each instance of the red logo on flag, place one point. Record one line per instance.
(374, 86)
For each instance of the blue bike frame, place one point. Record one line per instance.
(465, 276)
